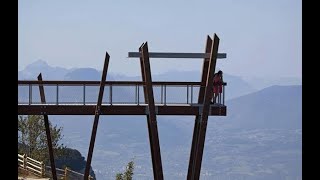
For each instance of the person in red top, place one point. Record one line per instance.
(217, 85)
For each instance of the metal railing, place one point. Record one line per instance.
(116, 92)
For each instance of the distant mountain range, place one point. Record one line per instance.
(272, 107)
(237, 86)
(260, 138)
(31, 71)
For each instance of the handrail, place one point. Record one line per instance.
(38, 168)
(31, 165)
(165, 92)
(35, 161)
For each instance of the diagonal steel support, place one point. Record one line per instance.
(96, 117)
(202, 124)
(143, 75)
(151, 117)
(205, 67)
(47, 127)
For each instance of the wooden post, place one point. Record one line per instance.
(42, 169)
(24, 161)
(65, 173)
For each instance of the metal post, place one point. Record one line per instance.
(57, 94)
(110, 94)
(223, 89)
(136, 90)
(187, 94)
(84, 94)
(30, 94)
(191, 94)
(161, 96)
(138, 95)
(165, 94)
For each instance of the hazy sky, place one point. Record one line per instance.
(261, 38)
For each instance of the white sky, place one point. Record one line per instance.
(261, 38)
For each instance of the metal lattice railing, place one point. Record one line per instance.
(123, 93)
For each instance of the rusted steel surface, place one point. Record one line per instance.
(194, 144)
(177, 55)
(200, 109)
(206, 105)
(96, 117)
(47, 128)
(116, 110)
(143, 76)
(151, 118)
(96, 83)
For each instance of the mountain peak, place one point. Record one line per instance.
(79, 74)
(32, 70)
(38, 64)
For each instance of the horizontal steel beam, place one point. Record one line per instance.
(158, 83)
(116, 110)
(176, 55)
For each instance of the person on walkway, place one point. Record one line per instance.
(217, 85)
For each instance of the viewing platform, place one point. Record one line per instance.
(120, 98)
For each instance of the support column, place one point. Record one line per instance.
(47, 127)
(195, 173)
(151, 117)
(96, 117)
(205, 67)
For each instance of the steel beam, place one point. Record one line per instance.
(97, 83)
(205, 66)
(206, 105)
(143, 76)
(116, 109)
(48, 134)
(177, 55)
(96, 117)
(151, 118)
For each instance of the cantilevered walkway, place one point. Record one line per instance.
(132, 98)
(120, 98)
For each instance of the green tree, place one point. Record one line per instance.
(127, 175)
(119, 176)
(32, 139)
